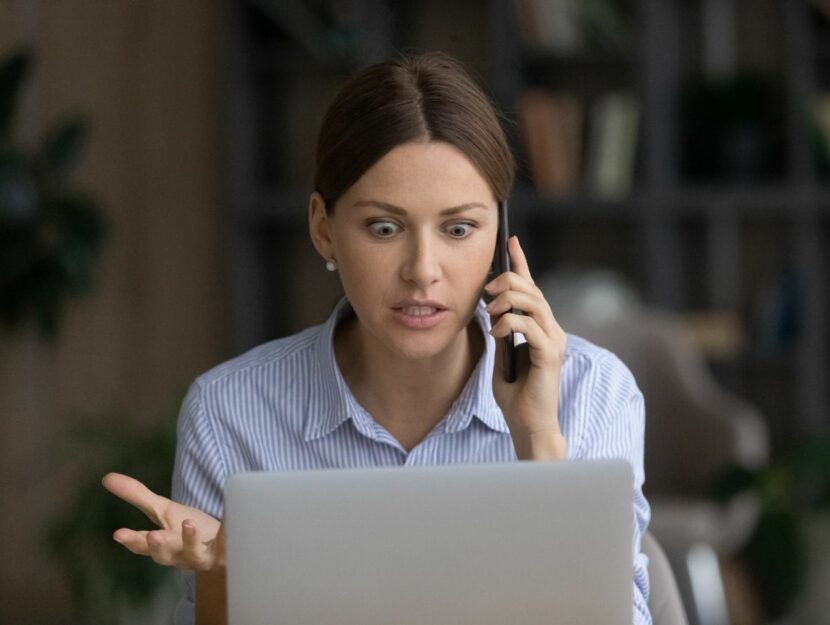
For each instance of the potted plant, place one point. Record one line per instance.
(789, 549)
(51, 231)
(106, 581)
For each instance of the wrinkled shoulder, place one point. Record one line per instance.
(582, 354)
(270, 354)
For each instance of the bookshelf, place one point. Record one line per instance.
(753, 242)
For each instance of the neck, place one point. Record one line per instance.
(407, 397)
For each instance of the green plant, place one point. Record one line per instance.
(103, 576)
(789, 490)
(51, 232)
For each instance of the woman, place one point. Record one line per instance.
(411, 162)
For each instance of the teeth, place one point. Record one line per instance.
(420, 311)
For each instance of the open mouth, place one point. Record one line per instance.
(419, 311)
(420, 317)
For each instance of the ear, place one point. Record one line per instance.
(319, 226)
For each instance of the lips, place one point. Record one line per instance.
(414, 305)
(420, 315)
(419, 311)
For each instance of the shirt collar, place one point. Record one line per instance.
(332, 402)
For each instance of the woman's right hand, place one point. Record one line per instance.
(188, 538)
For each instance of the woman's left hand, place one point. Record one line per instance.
(530, 404)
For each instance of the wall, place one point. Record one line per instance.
(149, 75)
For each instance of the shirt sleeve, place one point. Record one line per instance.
(615, 428)
(198, 476)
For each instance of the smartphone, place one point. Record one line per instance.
(501, 263)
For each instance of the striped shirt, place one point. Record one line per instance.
(284, 406)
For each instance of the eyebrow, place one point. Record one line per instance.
(397, 210)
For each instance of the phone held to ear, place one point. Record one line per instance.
(501, 263)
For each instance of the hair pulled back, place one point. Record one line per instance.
(411, 98)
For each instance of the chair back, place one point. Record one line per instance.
(694, 428)
(664, 600)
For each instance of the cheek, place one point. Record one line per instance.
(364, 270)
(476, 258)
(485, 250)
(466, 266)
(364, 261)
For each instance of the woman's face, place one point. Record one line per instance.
(419, 227)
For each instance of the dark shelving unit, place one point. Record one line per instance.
(687, 244)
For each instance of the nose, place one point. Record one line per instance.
(421, 265)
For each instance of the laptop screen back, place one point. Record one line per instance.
(527, 543)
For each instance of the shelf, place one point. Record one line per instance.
(289, 205)
(532, 205)
(684, 244)
(686, 200)
(775, 198)
(588, 74)
(585, 60)
(284, 59)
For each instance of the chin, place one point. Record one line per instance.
(418, 348)
(420, 344)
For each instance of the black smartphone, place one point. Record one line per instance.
(501, 263)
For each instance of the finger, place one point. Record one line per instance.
(535, 307)
(134, 541)
(194, 550)
(518, 260)
(166, 546)
(157, 546)
(543, 351)
(510, 280)
(135, 493)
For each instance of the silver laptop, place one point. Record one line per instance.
(527, 543)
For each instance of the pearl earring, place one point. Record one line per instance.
(330, 265)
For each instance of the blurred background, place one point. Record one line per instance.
(673, 197)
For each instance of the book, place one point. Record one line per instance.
(551, 128)
(551, 25)
(612, 145)
(571, 27)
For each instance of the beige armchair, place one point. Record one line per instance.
(664, 600)
(694, 429)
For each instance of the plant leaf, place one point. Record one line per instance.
(103, 574)
(776, 554)
(63, 145)
(18, 195)
(13, 71)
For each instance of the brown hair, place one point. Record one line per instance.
(424, 97)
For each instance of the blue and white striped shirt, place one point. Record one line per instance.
(284, 406)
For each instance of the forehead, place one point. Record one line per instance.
(428, 171)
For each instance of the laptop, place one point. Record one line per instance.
(525, 543)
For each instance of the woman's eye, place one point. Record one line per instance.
(383, 229)
(459, 231)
